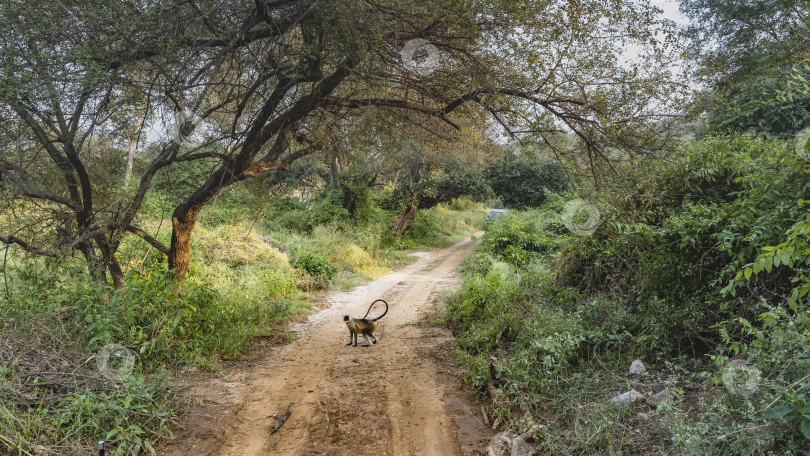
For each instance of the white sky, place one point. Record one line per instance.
(671, 12)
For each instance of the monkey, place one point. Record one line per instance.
(363, 326)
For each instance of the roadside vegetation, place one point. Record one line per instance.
(698, 267)
(692, 266)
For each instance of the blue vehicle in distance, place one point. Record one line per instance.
(496, 213)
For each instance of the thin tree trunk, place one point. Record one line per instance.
(95, 267)
(111, 262)
(130, 162)
(334, 170)
(133, 141)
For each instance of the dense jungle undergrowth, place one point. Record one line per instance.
(697, 268)
(65, 383)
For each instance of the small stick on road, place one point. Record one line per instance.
(280, 420)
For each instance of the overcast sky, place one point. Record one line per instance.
(670, 8)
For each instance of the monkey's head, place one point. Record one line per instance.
(345, 318)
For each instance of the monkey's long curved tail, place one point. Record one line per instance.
(372, 305)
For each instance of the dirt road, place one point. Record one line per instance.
(399, 397)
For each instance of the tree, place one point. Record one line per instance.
(522, 181)
(427, 179)
(757, 106)
(272, 82)
(738, 39)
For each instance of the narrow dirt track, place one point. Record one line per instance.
(399, 397)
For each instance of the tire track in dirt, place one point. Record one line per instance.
(394, 398)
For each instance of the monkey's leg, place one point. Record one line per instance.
(375, 338)
(368, 341)
(350, 337)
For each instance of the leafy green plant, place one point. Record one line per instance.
(315, 265)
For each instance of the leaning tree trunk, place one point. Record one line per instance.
(405, 217)
(184, 219)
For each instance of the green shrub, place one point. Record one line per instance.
(518, 239)
(315, 265)
(148, 317)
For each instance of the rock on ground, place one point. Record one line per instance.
(509, 444)
(626, 399)
(637, 367)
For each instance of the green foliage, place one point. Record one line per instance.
(441, 226)
(459, 180)
(315, 265)
(181, 179)
(527, 236)
(57, 308)
(512, 238)
(775, 415)
(521, 181)
(117, 417)
(739, 39)
(431, 180)
(757, 106)
(131, 418)
(146, 316)
(709, 258)
(727, 199)
(327, 208)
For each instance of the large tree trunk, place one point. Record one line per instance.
(183, 221)
(405, 217)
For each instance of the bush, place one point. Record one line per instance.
(528, 236)
(315, 265)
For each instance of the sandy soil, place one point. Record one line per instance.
(400, 397)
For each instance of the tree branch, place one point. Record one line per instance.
(146, 237)
(27, 247)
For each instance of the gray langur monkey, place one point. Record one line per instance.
(364, 326)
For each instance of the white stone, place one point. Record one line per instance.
(624, 400)
(637, 367)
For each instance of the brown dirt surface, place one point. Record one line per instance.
(401, 396)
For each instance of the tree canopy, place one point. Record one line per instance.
(262, 84)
